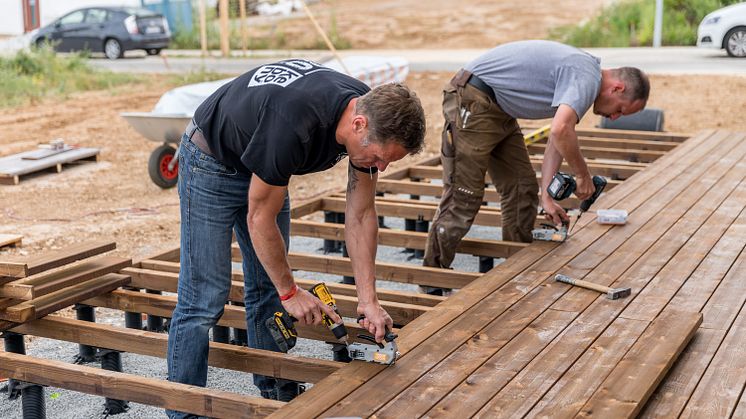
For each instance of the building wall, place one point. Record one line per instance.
(11, 12)
(11, 17)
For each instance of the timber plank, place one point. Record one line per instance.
(616, 170)
(49, 260)
(121, 386)
(233, 316)
(629, 385)
(401, 313)
(419, 397)
(41, 306)
(335, 288)
(10, 240)
(421, 275)
(326, 393)
(523, 284)
(408, 239)
(238, 358)
(723, 382)
(35, 286)
(634, 155)
(547, 368)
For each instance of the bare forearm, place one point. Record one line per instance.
(270, 249)
(361, 238)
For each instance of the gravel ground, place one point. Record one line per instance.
(61, 403)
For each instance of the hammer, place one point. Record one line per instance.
(611, 293)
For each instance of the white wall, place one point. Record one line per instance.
(11, 17)
(11, 11)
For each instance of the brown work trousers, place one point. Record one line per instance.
(487, 140)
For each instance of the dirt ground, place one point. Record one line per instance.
(115, 199)
(431, 23)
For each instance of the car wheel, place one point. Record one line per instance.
(735, 42)
(153, 51)
(113, 49)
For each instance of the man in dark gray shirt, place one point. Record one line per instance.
(528, 80)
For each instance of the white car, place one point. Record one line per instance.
(725, 28)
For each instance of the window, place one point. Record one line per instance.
(74, 17)
(96, 16)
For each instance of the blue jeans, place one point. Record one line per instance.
(214, 204)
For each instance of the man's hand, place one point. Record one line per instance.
(376, 319)
(554, 212)
(584, 186)
(307, 308)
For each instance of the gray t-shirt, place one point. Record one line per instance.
(532, 78)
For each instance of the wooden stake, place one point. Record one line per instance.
(323, 35)
(242, 11)
(225, 47)
(202, 27)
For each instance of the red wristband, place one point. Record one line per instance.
(290, 294)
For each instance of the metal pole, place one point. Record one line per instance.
(658, 28)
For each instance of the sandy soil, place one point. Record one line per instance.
(430, 23)
(115, 199)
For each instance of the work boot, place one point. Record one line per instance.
(288, 390)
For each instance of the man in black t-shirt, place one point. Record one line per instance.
(237, 156)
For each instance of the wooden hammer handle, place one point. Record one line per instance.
(580, 283)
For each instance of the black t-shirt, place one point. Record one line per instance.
(279, 119)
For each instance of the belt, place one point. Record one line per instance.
(464, 77)
(195, 134)
(482, 86)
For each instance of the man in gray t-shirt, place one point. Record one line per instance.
(527, 80)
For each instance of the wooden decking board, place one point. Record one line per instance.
(621, 134)
(408, 239)
(35, 286)
(238, 358)
(39, 307)
(629, 385)
(709, 219)
(30, 266)
(233, 316)
(673, 393)
(121, 386)
(417, 399)
(720, 312)
(577, 385)
(316, 400)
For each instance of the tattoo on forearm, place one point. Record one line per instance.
(351, 179)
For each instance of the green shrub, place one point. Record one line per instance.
(37, 73)
(630, 23)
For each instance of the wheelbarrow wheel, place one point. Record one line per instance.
(158, 167)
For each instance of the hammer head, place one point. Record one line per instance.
(616, 293)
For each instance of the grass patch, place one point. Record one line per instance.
(629, 23)
(39, 73)
(195, 76)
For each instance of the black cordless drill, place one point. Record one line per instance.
(563, 185)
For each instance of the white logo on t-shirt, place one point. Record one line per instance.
(274, 74)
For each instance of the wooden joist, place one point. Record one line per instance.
(25, 267)
(238, 358)
(408, 239)
(335, 288)
(121, 386)
(233, 316)
(635, 155)
(41, 306)
(35, 286)
(401, 313)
